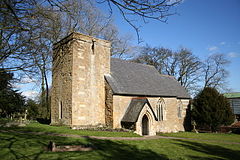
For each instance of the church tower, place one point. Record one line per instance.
(78, 91)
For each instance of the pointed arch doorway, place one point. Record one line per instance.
(145, 125)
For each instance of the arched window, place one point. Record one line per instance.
(179, 109)
(161, 110)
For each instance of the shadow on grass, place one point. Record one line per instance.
(27, 146)
(44, 121)
(213, 152)
(38, 129)
(47, 129)
(119, 150)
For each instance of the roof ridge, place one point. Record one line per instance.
(128, 61)
(165, 75)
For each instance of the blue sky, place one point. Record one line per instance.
(203, 26)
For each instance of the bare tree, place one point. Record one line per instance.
(18, 23)
(83, 16)
(22, 21)
(36, 54)
(156, 56)
(214, 71)
(26, 39)
(133, 10)
(120, 44)
(188, 68)
(30, 27)
(183, 65)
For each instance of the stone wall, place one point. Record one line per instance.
(61, 92)
(81, 97)
(171, 123)
(108, 105)
(89, 60)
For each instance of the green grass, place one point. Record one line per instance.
(15, 145)
(28, 146)
(37, 127)
(221, 137)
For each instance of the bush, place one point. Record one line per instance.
(11, 101)
(211, 109)
(33, 110)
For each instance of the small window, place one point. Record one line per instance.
(160, 110)
(180, 108)
(60, 110)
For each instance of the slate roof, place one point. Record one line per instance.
(134, 110)
(128, 78)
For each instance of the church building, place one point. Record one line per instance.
(91, 89)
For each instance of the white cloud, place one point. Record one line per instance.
(30, 94)
(27, 80)
(18, 86)
(233, 54)
(174, 1)
(213, 48)
(222, 43)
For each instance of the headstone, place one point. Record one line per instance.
(194, 127)
(25, 115)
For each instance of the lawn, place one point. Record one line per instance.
(220, 137)
(30, 146)
(37, 127)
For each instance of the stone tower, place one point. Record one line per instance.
(78, 91)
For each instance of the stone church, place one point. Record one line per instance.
(90, 89)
